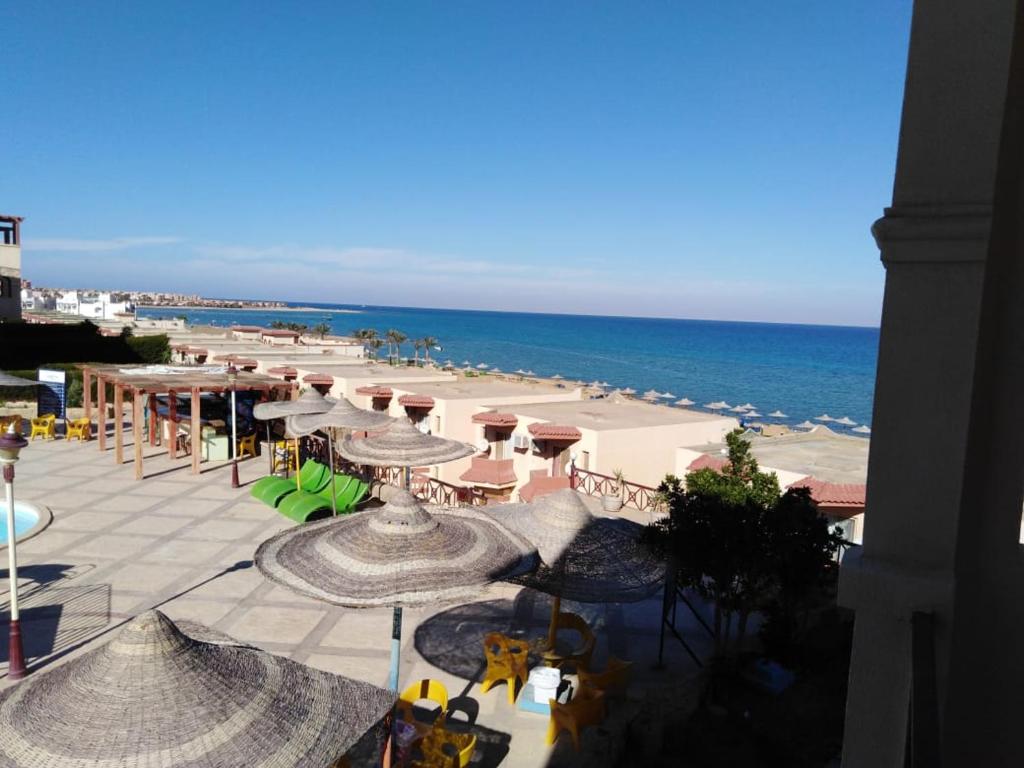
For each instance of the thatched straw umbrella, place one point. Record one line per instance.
(403, 446)
(585, 558)
(402, 554)
(308, 402)
(342, 415)
(154, 696)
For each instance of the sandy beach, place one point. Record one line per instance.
(332, 311)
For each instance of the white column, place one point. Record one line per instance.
(919, 542)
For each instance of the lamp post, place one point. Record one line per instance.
(11, 444)
(233, 381)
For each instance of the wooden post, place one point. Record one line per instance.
(137, 431)
(101, 417)
(295, 391)
(118, 424)
(197, 444)
(152, 420)
(172, 424)
(87, 393)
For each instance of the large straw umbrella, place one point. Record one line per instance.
(308, 402)
(342, 415)
(402, 554)
(156, 697)
(403, 446)
(583, 557)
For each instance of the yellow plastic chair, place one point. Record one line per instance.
(429, 690)
(579, 658)
(44, 426)
(442, 748)
(506, 661)
(291, 451)
(247, 445)
(6, 421)
(613, 682)
(585, 709)
(80, 428)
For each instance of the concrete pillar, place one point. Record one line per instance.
(197, 432)
(118, 424)
(87, 393)
(137, 432)
(101, 415)
(934, 242)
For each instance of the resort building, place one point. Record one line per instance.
(95, 306)
(10, 267)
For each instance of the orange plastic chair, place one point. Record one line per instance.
(430, 690)
(247, 445)
(44, 426)
(506, 661)
(579, 658)
(613, 682)
(586, 708)
(442, 748)
(80, 428)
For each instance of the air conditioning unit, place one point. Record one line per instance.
(521, 442)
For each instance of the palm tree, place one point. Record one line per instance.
(416, 344)
(321, 329)
(375, 344)
(394, 337)
(428, 342)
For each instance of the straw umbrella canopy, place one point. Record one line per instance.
(157, 697)
(652, 394)
(718, 405)
(403, 446)
(558, 376)
(402, 554)
(777, 414)
(585, 558)
(7, 380)
(666, 395)
(863, 429)
(806, 425)
(752, 415)
(683, 403)
(342, 415)
(627, 391)
(482, 366)
(846, 421)
(824, 417)
(530, 373)
(308, 402)
(739, 409)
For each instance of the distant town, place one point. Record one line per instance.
(97, 304)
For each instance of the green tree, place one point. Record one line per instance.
(278, 325)
(375, 344)
(321, 329)
(416, 344)
(394, 338)
(428, 342)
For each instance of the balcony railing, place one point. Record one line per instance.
(430, 489)
(640, 497)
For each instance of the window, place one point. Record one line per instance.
(584, 459)
(6, 288)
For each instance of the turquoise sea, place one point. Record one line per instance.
(803, 370)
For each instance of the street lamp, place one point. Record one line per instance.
(11, 444)
(233, 381)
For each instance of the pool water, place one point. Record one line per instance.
(24, 518)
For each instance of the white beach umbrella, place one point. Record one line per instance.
(806, 425)
(747, 407)
(530, 373)
(777, 414)
(863, 429)
(521, 372)
(846, 421)
(482, 366)
(684, 402)
(752, 415)
(824, 417)
(627, 391)
(495, 369)
(739, 409)
(466, 363)
(651, 394)
(558, 376)
(666, 395)
(718, 405)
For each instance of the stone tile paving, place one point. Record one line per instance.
(184, 543)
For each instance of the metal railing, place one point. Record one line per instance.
(641, 497)
(430, 489)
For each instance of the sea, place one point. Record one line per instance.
(804, 371)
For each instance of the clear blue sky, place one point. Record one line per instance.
(713, 160)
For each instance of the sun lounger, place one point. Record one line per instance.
(301, 506)
(271, 490)
(349, 492)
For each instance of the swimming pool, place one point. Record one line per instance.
(29, 519)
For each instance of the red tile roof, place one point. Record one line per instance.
(490, 472)
(554, 432)
(848, 496)
(246, 362)
(279, 332)
(495, 419)
(247, 328)
(416, 401)
(283, 370)
(317, 378)
(383, 392)
(707, 462)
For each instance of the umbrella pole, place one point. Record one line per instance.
(556, 608)
(396, 648)
(330, 460)
(270, 449)
(298, 474)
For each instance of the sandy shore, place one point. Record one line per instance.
(252, 309)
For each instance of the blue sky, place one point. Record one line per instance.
(713, 160)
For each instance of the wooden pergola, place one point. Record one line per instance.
(148, 382)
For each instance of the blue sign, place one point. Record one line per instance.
(51, 394)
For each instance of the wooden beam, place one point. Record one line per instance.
(101, 417)
(197, 443)
(137, 431)
(172, 424)
(152, 420)
(87, 392)
(118, 424)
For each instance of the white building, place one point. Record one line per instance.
(93, 306)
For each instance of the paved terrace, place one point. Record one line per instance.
(184, 543)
